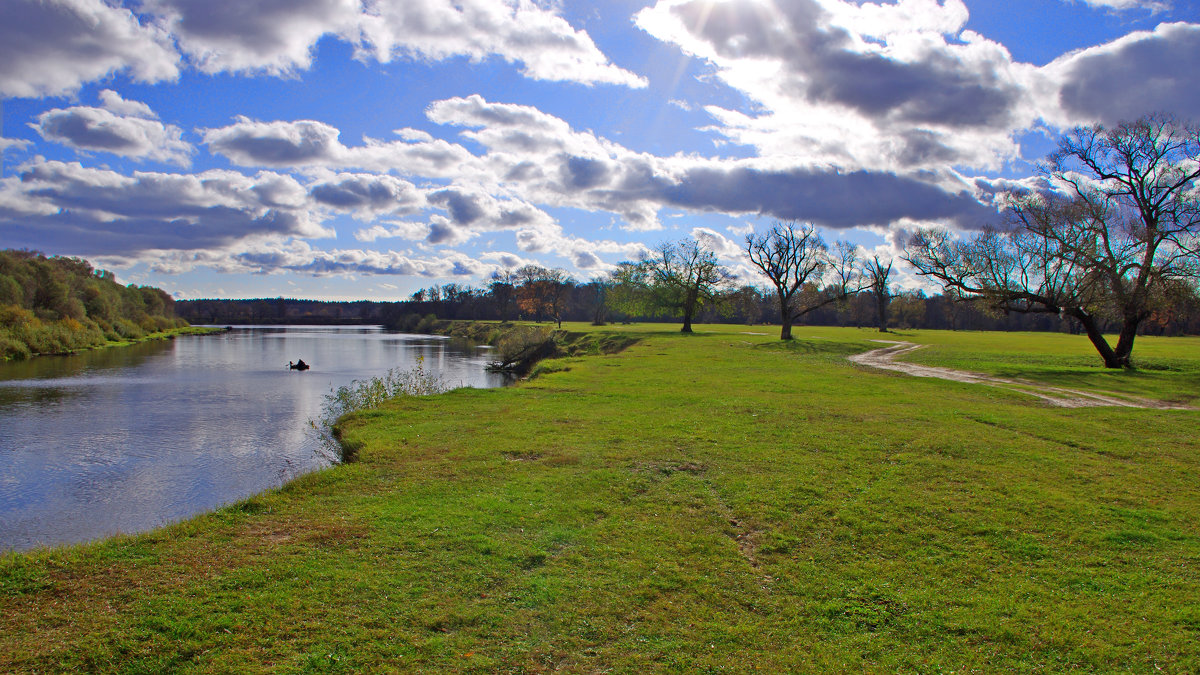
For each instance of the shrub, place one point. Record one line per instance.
(522, 346)
(11, 349)
(364, 395)
(427, 324)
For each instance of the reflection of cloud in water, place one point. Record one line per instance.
(71, 382)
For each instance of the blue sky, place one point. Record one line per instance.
(346, 149)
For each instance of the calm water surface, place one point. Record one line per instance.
(127, 439)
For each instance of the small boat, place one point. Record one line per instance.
(299, 365)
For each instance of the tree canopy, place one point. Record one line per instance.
(675, 279)
(804, 272)
(56, 305)
(1115, 239)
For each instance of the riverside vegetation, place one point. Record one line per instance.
(717, 502)
(62, 305)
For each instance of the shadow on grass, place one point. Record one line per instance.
(812, 346)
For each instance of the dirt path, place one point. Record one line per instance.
(885, 358)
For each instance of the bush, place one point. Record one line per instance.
(127, 330)
(522, 346)
(426, 325)
(364, 395)
(11, 349)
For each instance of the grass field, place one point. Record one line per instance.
(721, 502)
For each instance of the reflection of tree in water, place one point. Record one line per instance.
(40, 367)
(45, 368)
(31, 395)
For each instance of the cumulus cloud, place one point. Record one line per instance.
(6, 143)
(308, 143)
(541, 158)
(279, 36)
(1151, 5)
(303, 258)
(717, 243)
(518, 31)
(367, 195)
(401, 229)
(274, 36)
(869, 86)
(102, 212)
(1134, 75)
(121, 127)
(51, 47)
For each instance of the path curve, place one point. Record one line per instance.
(885, 358)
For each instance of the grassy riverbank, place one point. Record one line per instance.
(716, 502)
(94, 340)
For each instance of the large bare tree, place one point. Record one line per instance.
(1111, 244)
(676, 278)
(804, 272)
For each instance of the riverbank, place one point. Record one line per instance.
(169, 334)
(93, 340)
(719, 501)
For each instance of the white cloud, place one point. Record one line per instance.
(272, 36)
(99, 212)
(6, 143)
(872, 86)
(51, 47)
(540, 158)
(1139, 73)
(121, 127)
(717, 243)
(1125, 5)
(312, 144)
(516, 30)
(114, 103)
(399, 229)
(299, 256)
(367, 195)
(279, 36)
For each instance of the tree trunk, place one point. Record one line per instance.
(1124, 351)
(881, 304)
(1110, 358)
(785, 318)
(689, 308)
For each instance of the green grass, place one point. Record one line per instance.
(721, 502)
(1166, 368)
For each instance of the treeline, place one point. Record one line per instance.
(535, 298)
(278, 311)
(60, 305)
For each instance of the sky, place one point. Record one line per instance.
(363, 149)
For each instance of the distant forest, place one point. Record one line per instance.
(60, 305)
(503, 300)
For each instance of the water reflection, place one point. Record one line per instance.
(123, 440)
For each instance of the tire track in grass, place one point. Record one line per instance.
(885, 359)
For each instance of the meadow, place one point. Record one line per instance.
(717, 502)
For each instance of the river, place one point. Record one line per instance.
(126, 439)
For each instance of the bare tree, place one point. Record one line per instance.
(1113, 244)
(877, 274)
(676, 278)
(806, 274)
